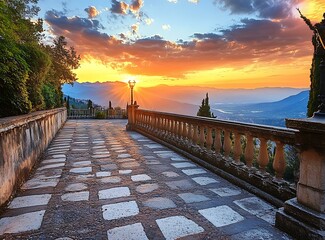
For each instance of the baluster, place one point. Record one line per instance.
(195, 134)
(152, 122)
(279, 163)
(249, 150)
(179, 130)
(184, 133)
(172, 127)
(167, 127)
(227, 143)
(217, 141)
(189, 132)
(237, 148)
(209, 138)
(202, 136)
(162, 124)
(263, 157)
(158, 125)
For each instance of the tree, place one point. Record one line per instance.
(63, 60)
(204, 110)
(31, 74)
(89, 104)
(319, 53)
(39, 64)
(13, 66)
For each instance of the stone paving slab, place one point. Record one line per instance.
(97, 181)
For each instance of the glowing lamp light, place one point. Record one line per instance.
(131, 85)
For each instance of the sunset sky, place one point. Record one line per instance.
(210, 43)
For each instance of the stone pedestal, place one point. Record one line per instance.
(304, 216)
(131, 110)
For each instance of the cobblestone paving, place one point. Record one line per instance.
(97, 181)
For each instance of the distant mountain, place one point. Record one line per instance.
(119, 93)
(264, 105)
(272, 113)
(194, 95)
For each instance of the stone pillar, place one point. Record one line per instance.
(131, 110)
(304, 217)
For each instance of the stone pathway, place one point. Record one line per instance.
(97, 181)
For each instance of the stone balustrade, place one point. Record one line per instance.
(22, 140)
(81, 113)
(241, 149)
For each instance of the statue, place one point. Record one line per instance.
(317, 86)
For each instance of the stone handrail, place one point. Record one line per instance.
(92, 113)
(81, 113)
(22, 141)
(220, 143)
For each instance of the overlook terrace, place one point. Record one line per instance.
(97, 180)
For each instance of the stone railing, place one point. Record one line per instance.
(97, 113)
(22, 140)
(242, 150)
(81, 113)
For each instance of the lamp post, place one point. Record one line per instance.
(131, 85)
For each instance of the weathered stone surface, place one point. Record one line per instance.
(21, 223)
(204, 180)
(191, 197)
(170, 174)
(74, 187)
(129, 232)
(221, 216)
(159, 203)
(178, 226)
(140, 178)
(81, 170)
(75, 197)
(181, 184)
(120, 210)
(96, 206)
(29, 201)
(146, 188)
(226, 192)
(114, 193)
(195, 171)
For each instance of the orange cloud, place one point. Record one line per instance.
(92, 12)
(278, 39)
(253, 41)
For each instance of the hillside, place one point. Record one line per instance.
(264, 105)
(272, 113)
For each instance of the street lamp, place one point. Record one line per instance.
(131, 85)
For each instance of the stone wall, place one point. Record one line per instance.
(22, 141)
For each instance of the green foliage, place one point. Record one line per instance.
(100, 115)
(89, 104)
(63, 61)
(31, 75)
(13, 75)
(39, 65)
(204, 110)
(49, 94)
(314, 86)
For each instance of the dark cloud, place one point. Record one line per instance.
(250, 41)
(206, 36)
(92, 12)
(73, 24)
(119, 7)
(237, 6)
(272, 9)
